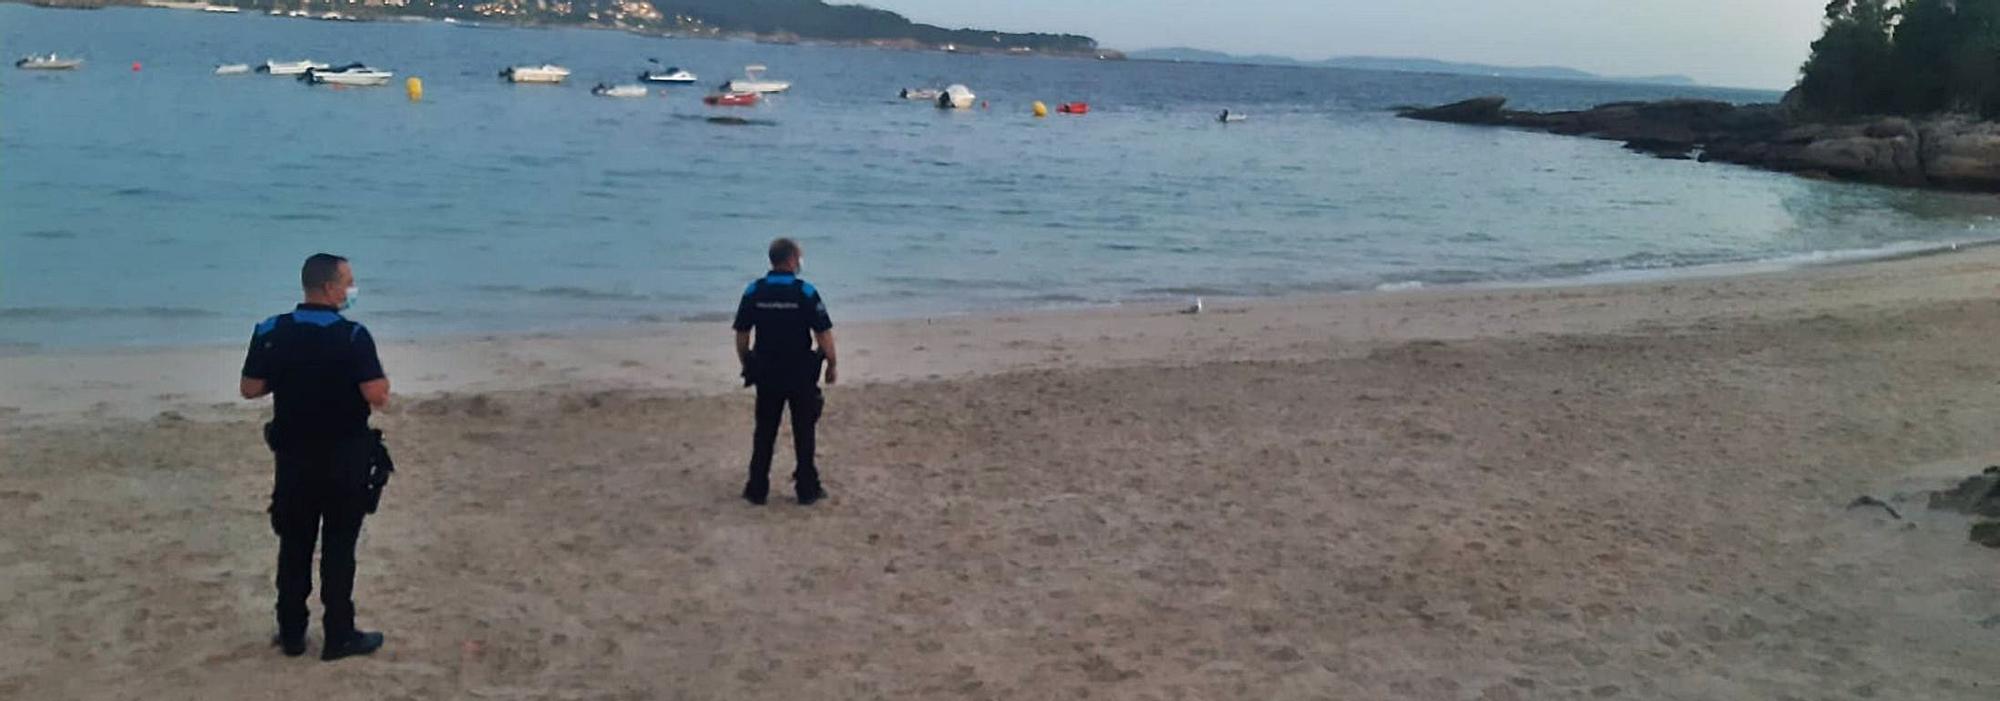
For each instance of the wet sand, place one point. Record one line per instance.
(1633, 491)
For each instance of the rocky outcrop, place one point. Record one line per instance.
(1478, 110)
(1962, 154)
(1943, 152)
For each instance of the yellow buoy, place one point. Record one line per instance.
(1041, 110)
(415, 87)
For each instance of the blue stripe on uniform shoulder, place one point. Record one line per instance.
(752, 289)
(354, 333)
(809, 290)
(315, 317)
(265, 326)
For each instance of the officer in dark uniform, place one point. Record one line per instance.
(788, 317)
(324, 371)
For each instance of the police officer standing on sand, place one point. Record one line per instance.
(788, 317)
(324, 371)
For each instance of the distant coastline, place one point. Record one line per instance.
(1404, 65)
(780, 22)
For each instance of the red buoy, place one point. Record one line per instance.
(135, 66)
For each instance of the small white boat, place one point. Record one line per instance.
(956, 97)
(50, 62)
(920, 94)
(603, 90)
(350, 74)
(546, 73)
(232, 69)
(753, 81)
(674, 76)
(1229, 117)
(291, 67)
(221, 9)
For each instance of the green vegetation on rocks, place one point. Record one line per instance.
(1905, 57)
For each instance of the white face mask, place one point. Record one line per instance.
(353, 292)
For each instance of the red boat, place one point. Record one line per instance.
(734, 99)
(1074, 108)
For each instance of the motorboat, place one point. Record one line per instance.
(753, 81)
(350, 74)
(956, 97)
(1074, 108)
(221, 9)
(1229, 117)
(920, 94)
(731, 99)
(546, 73)
(673, 75)
(606, 90)
(232, 69)
(50, 62)
(291, 67)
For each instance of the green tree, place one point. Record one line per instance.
(1905, 57)
(1851, 70)
(1927, 42)
(1974, 72)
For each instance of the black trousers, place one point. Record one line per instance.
(806, 402)
(320, 496)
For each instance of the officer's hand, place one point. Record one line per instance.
(832, 375)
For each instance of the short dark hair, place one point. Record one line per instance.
(783, 251)
(320, 270)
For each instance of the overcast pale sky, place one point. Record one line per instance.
(1749, 43)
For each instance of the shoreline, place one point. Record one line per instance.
(1616, 276)
(135, 382)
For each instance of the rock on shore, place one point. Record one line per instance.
(1951, 151)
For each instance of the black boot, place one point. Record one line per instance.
(810, 492)
(357, 643)
(293, 647)
(756, 492)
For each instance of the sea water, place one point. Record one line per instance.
(168, 205)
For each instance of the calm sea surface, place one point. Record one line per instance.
(171, 206)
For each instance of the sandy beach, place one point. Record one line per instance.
(1629, 491)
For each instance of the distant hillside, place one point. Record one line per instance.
(1404, 65)
(818, 20)
(780, 20)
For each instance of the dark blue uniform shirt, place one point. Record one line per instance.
(785, 311)
(314, 361)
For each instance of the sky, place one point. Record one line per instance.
(1741, 43)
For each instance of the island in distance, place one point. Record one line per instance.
(1402, 65)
